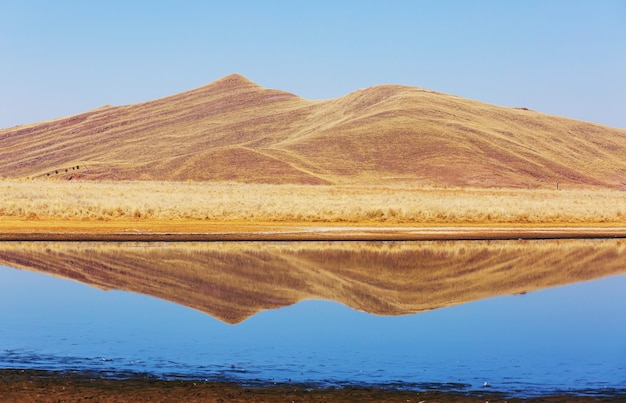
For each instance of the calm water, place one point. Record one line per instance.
(564, 339)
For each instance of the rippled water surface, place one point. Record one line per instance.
(561, 339)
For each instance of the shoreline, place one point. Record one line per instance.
(188, 231)
(60, 386)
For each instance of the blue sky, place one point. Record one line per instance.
(566, 58)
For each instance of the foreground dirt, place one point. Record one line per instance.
(194, 230)
(41, 386)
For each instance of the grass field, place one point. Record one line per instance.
(39, 200)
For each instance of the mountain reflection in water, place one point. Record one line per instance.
(232, 281)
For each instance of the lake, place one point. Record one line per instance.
(527, 318)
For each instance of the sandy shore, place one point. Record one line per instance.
(179, 230)
(44, 386)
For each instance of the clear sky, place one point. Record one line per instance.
(61, 57)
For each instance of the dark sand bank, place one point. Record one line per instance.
(200, 231)
(50, 386)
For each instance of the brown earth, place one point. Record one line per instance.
(196, 230)
(235, 130)
(45, 387)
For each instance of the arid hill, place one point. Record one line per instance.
(235, 130)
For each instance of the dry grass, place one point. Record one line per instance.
(254, 203)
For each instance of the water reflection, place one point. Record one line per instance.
(562, 339)
(232, 281)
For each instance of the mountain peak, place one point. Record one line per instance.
(234, 80)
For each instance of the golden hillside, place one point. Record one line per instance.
(235, 130)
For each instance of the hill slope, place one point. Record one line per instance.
(235, 130)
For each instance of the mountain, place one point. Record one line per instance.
(235, 130)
